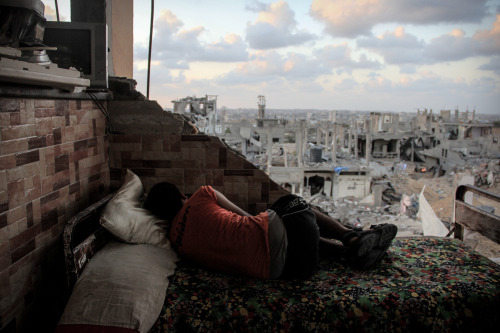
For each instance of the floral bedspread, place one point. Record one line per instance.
(422, 285)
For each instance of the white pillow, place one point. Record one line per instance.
(122, 286)
(125, 218)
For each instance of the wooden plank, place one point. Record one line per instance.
(474, 218)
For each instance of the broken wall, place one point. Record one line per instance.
(347, 184)
(190, 161)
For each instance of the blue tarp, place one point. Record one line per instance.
(338, 170)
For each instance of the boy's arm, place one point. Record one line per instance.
(226, 204)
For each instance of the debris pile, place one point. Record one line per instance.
(484, 174)
(353, 213)
(401, 186)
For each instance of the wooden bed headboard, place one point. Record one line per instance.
(83, 236)
(474, 218)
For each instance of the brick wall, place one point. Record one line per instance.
(53, 163)
(190, 161)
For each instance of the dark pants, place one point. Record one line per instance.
(303, 236)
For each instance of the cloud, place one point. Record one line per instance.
(427, 90)
(489, 40)
(339, 58)
(169, 40)
(352, 18)
(230, 48)
(50, 14)
(451, 47)
(262, 66)
(275, 27)
(175, 47)
(269, 66)
(347, 85)
(493, 65)
(396, 47)
(160, 74)
(407, 51)
(299, 66)
(457, 46)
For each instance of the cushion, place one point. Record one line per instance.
(128, 221)
(124, 285)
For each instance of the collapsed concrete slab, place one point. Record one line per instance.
(431, 224)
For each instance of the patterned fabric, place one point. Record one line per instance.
(422, 285)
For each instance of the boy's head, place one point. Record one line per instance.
(164, 200)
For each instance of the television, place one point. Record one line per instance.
(80, 45)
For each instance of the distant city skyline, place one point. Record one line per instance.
(381, 55)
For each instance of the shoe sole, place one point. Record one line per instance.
(387, 233)
(381, 238)
(380, 242)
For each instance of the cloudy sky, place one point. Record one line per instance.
(383, 55)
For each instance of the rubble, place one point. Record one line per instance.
(402, 184)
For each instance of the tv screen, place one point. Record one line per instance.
(80, 45)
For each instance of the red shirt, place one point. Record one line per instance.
(209, 235)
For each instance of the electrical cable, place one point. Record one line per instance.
(150, 43)
(103, 110)
(57, 10)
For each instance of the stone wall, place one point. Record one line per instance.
(190, 161)
(53, 163)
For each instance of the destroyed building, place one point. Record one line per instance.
(434, 142)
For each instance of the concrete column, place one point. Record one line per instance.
(368, 152)
(303, 125)
(341, 134)
(350, 140)
(368, 148)
(120, 27)
(412, 149)
(298, 146)
(356, 140)
(244, 147)
(327, 138)
(396, 120)
(269, 148)
(299, 143)
(333, 141)
(429, 121)
(377, 195)
(334, 145)
(318, 136)
(398, 148)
